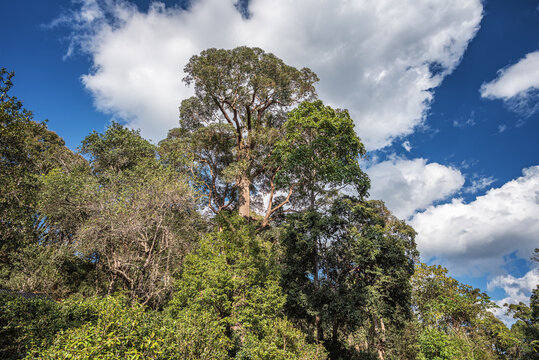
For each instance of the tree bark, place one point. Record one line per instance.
(244, 196)
(379, 336)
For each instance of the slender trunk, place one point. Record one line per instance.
(244, 196)
(111, 284)
(319, 329)
(379, 336)
(316, 270)
(382, 349)
(316, 283)
(335, 334)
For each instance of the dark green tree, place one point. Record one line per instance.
(27, 150)
(348, 269)
(526, 328)
(316, 157)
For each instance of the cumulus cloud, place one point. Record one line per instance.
(379, 59)
(471, 238)
(517, 85)
(409, 185)
(517, 290)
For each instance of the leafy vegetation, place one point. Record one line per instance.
(245, 234)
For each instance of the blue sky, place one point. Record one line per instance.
(444, 94)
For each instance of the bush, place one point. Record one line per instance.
(114, 328)
(26, 322)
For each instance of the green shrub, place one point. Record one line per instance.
(114, 328)
(25, 323)
(438, 345)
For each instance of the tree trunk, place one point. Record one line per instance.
(319, 329)
(316, 280)
(316, 283)
(379, 336)
(335, 333)
(244, 196)
(382, 348)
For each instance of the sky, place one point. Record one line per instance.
(444, 94)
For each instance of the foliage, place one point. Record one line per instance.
(278, 340)
(119, 329)
(25, 322)
(234, 275)
(53, 270)
(131, 216)
(117, 149)
(230, 125)
(526, 328)
(27, 150)
(318, 153)
(346, 270)
(29, 322)
(438, 345)
(455, 322)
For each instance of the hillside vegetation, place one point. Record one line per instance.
(246, 234)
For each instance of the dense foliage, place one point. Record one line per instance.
(454, 321)
(245, 234)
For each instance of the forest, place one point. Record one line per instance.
(247, 233)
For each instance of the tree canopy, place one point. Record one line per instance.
(240, 103)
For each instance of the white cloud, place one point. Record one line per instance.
(380, 59)
(473, 238)
(409, 185)
(517, 85)
(406, 145)
(478, 184)
(515, 79)
(517, 290)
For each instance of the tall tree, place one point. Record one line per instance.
(346, 269)
(241, 97)
(27, 150)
